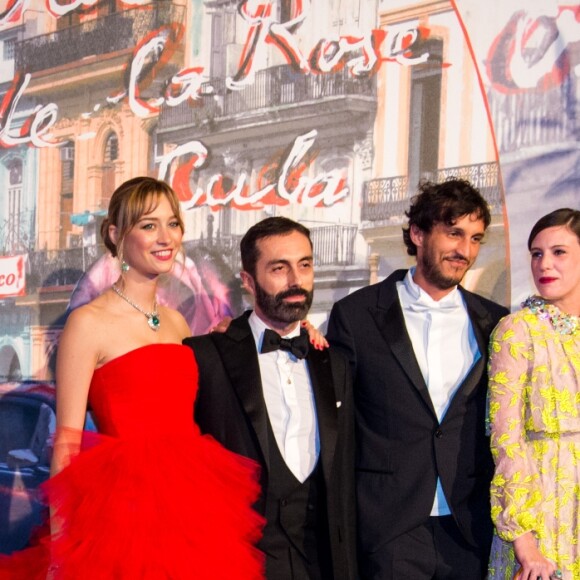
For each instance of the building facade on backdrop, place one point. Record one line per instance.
(326, 112)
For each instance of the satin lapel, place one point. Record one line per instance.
(325, 398)
(241, 362)
(391, 324)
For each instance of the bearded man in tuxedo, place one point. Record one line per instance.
(266, 394)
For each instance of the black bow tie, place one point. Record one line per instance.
(298, 345)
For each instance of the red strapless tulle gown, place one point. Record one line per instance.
(151, 498)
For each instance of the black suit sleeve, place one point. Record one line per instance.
(218, 411)
(340, 336)
(342, 503)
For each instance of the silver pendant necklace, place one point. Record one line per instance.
(152, 317)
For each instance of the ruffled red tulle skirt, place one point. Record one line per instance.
(140, 509)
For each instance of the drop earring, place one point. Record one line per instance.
(124, 266)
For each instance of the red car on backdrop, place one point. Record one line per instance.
(27, 424)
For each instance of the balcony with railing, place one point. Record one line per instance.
(546, 118)
(105, 35)
(333, 246)
(279, 87)
(56, 268)
(387, 198)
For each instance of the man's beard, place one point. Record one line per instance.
(274, 307)
(432, 272)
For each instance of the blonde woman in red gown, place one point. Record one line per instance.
(150, 497)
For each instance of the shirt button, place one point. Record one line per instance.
(284, 502)
(438, 433)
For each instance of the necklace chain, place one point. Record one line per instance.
(152, 317)
(562, 323)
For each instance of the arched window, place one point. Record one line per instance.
(425, 112)
(111, 154)
(106, 7)
(286, 10)
(111, 148)
(69, 19)
(13, 218)
(15, 172)
(67, 158)
(223, 35)
(67, 173)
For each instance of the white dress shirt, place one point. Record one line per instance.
(445, 348)
(290, 403)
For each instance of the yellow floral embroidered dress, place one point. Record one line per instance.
(534, 414)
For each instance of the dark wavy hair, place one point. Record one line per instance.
(130, 202)
(444, 202)
(559, 217)
(272, 226)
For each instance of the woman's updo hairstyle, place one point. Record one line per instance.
(130, 202)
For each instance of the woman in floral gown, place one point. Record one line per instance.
(535, 415)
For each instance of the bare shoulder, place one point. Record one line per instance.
(88, 326)
(86, 316)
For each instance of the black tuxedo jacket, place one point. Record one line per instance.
(230, 406)
(401, 446)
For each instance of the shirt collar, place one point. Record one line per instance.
(415, 298)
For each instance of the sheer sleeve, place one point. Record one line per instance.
(516, 493)
(66, 446)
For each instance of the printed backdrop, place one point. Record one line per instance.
(326, 111)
